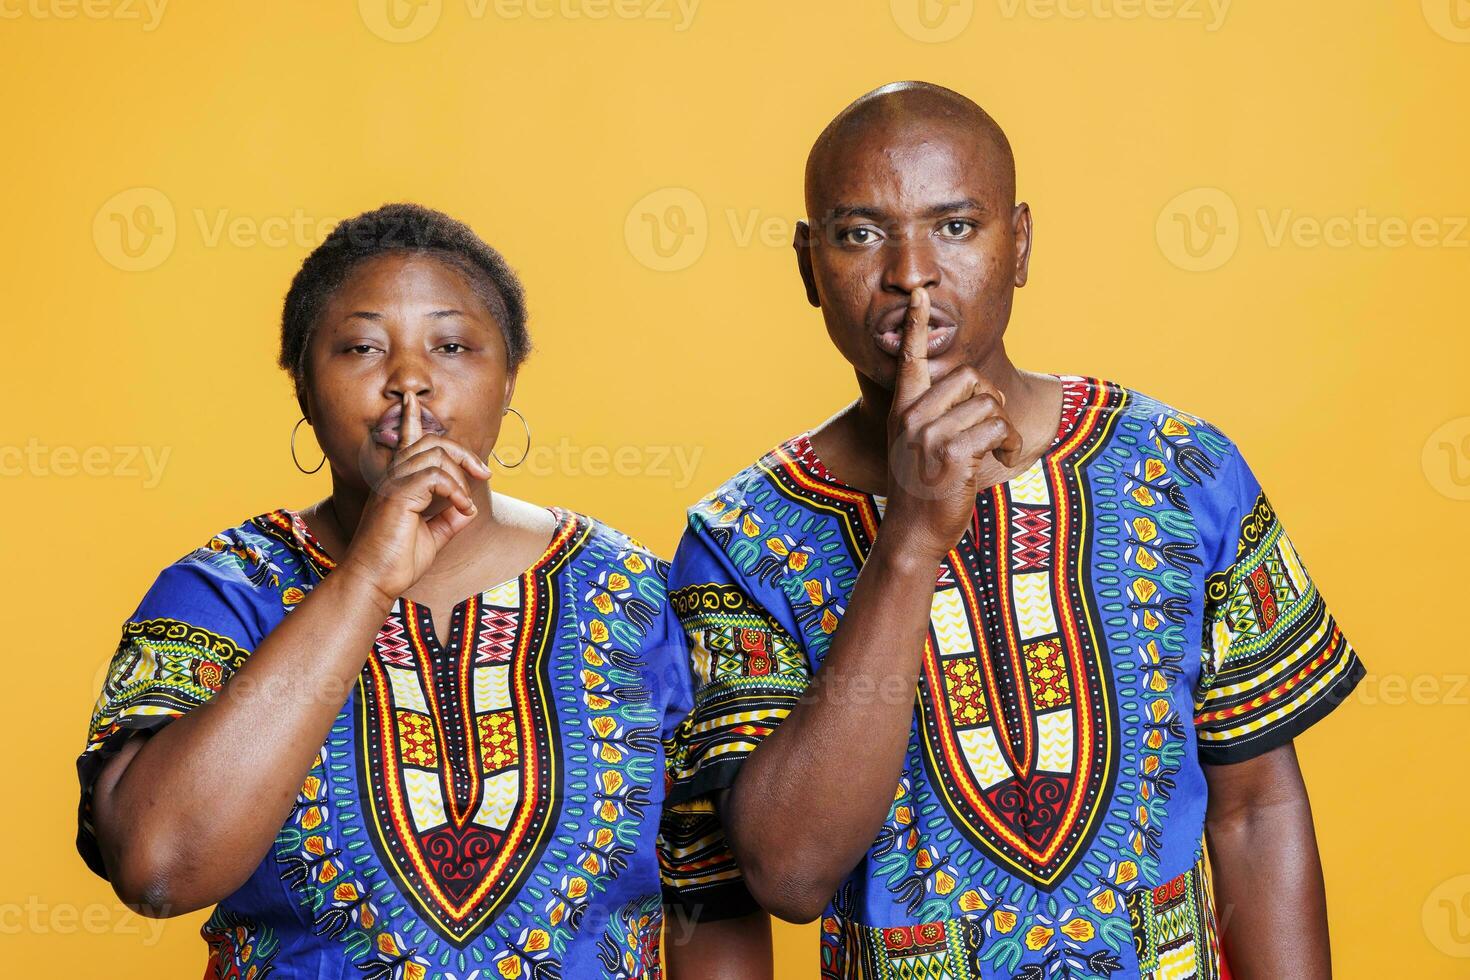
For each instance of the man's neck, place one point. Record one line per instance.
(853, 444)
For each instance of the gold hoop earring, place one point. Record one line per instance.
(293, 450)
(525, 425)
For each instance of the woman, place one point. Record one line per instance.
(415, 729)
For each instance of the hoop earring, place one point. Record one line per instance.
(293, 450)
(525, 425)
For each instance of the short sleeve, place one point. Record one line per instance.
(696, 867)
(748, 669)
(1275, 661)
(193, 628)
(747, 672)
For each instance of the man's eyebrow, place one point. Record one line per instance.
(878, 214)
(950, 207)
(856, 211)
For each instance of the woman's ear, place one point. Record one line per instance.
(510, 386)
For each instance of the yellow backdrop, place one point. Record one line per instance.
(1256, 211)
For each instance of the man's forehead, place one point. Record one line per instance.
(903, 135)
(908, 173)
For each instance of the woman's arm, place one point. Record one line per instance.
(1270, 899)
(728, 949)
(183, 816)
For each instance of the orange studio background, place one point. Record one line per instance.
(1256, 211)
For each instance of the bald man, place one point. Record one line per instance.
(986, 659)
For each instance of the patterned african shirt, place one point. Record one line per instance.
(487, 802)
(1125, 610)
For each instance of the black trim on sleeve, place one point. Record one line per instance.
(1288, 728)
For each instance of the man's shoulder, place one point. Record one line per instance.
(1157, 422)
(737, 492)
(1121, 399)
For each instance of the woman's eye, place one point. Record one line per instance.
(361, 348)
(457, 347)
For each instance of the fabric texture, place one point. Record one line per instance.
(1127, 609)
(487, 802)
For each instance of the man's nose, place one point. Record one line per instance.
(910, 265)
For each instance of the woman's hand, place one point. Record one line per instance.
(421, 503)
(940, 436)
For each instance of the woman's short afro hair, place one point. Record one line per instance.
(399, 228)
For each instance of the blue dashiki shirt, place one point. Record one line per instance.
(1123, 611)
(487, 803)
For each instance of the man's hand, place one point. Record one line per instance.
(939, 436)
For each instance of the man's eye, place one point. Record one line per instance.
(957, 228)
(859, 236)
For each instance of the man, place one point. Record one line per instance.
(985, 659)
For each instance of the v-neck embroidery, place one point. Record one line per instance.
(566, 521)
(1077, 393)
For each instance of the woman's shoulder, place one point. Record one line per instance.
(611, 551)
(261, 561)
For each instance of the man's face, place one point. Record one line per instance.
(903, 204)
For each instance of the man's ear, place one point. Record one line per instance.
(1021, 223)
(802, 243)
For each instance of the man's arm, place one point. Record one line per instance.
(727, 949)
(809, 800)
(1270, 899)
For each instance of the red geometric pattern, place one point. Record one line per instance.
(966, 692)
(1030, 538)
(499, 746)
(1046, 670)
(1264, 597)
(497, 635)
(393, 642)
(926, 937)
(416, 743)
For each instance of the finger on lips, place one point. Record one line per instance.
(913, 364)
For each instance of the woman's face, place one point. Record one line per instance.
(400, 323)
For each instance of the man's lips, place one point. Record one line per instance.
(386, 431)
(888, 331)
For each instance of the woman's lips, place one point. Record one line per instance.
(385, 433)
